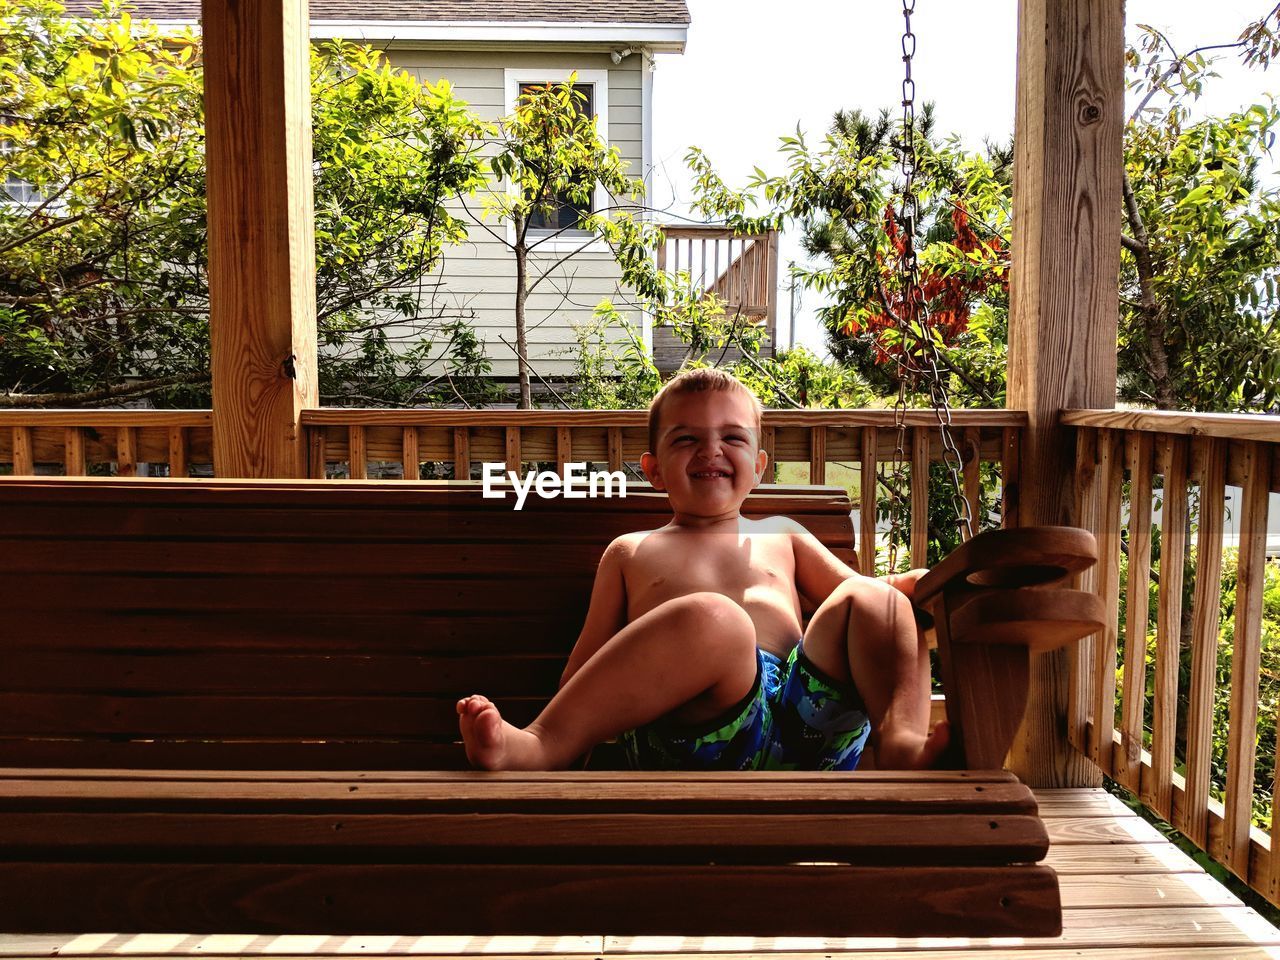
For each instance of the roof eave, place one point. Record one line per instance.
(668, 38)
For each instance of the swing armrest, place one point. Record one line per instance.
(1039, 620)
(994, 601)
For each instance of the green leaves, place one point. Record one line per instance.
(1198, 195)
(1197, 298)
(103, 268)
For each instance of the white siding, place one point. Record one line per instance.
(477, 279)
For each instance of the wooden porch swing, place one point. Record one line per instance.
(282, 655)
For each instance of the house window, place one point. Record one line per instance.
(21, 191)
(15, 188)
(555, 229)
(564, 214)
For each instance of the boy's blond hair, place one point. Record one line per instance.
(697, 381)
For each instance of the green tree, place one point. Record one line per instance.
(103, 285)
(841, 193)
(551, 163)
(1201, 246)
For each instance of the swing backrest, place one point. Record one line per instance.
(303, 625)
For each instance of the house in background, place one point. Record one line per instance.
(488, 50)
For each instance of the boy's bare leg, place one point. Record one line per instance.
(692, 657)
(866, 632)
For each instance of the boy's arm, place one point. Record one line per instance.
(607, 613)
(819, 571)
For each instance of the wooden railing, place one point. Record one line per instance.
(849, 447)
(858, 442)
(740, 270)
(120, 442)
(1156, 488)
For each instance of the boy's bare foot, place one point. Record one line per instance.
(494, 744)
(935, 745)
(913, 751)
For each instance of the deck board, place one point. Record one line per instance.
(1123, 885)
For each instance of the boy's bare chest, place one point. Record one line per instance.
(750, 570)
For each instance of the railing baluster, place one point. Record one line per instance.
(615, 448)
(24, 463)
(409, 453)
(319, 453)
(752, 293)
(767, 441)
(178, 452)
(1173, 556)
(126, 451)
(919, 497)
(73, 452)
(1010, 476)
(867, 497)
(818, 455)
(513, 448)
(1246, 656)
(357, 453)
(1138, 449)
(461, 453)
(564, 448)
(1080, 686)
(1110, 479)
(971, 457)
(1193, 818)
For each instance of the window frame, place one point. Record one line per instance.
(516, 77)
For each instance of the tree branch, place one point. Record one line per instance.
(86, 398)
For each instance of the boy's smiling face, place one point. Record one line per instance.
(708, 455)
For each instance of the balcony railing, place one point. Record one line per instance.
(740, 270)
(1181, 506)
(79, 443)
(849, 447)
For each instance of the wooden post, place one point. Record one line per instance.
(1063, 299)
(262, 293)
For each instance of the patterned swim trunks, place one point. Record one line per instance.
(794, 718)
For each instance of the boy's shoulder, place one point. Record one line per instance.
(623, 547)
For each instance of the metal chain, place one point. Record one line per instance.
(912, 321)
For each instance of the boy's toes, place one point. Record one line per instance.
(471, 706)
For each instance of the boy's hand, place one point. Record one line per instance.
(905, 583)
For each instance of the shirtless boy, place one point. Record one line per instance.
(693, 648)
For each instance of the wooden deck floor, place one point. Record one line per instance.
(1126, 893)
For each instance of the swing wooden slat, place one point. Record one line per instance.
(627, 899)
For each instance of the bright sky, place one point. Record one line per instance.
(754, 68)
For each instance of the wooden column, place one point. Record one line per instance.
(1063, 297)
(261, 235)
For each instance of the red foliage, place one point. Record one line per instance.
(948, 298)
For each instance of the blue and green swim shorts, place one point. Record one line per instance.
(794, 718)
